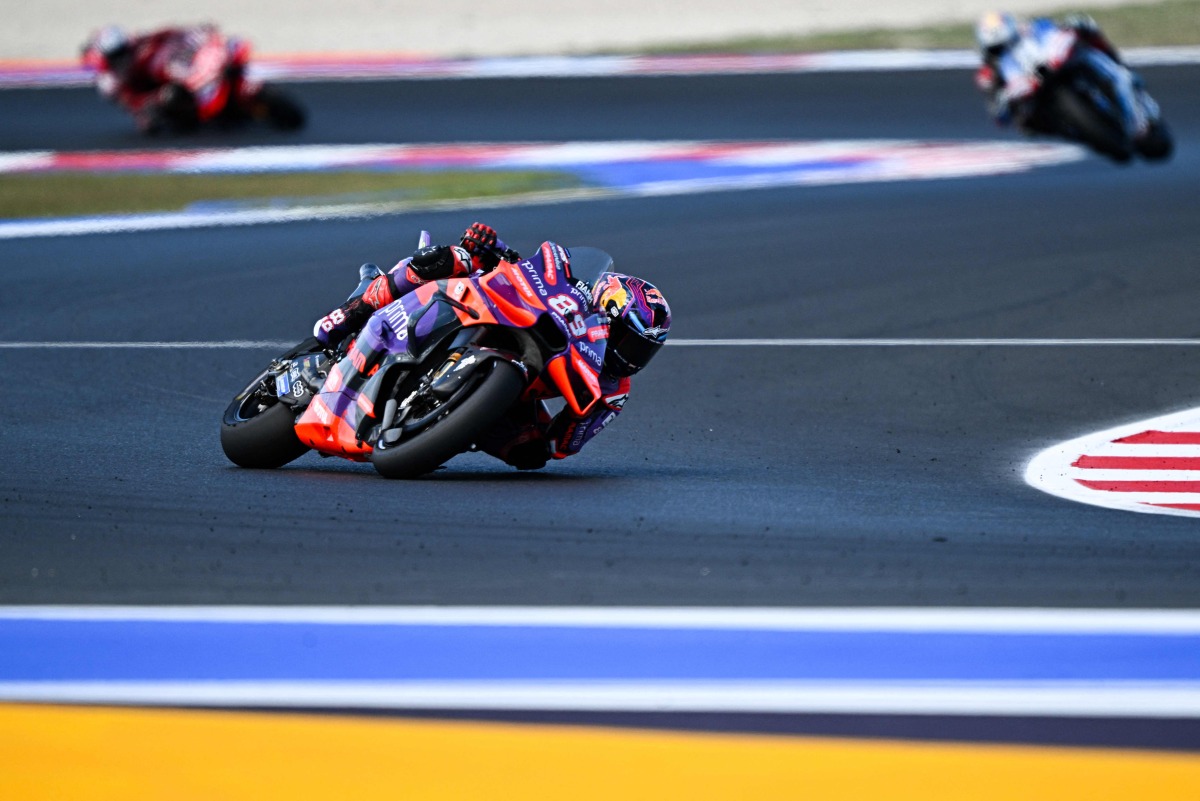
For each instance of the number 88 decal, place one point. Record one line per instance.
(566, 306)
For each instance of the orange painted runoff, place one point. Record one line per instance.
(98, 754)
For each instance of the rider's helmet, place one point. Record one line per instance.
(112, 40)
(996, 32)
(639, 320)
(110, 43)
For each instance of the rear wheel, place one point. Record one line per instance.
(258, 431)
(444, 429)
(1083, 121)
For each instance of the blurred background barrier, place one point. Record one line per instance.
(473, 28)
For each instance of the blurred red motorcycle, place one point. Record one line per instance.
(178, 79)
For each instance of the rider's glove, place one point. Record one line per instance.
(479, 237)
(480, 241)
(439, 261)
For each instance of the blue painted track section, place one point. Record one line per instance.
(73, 650)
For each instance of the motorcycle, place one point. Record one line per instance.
(432, 372)
(205, 82)
(1081, 93)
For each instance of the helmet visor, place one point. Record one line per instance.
(633, 350)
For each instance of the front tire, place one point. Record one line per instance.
(1157, 144)
(454, 432)
(281, 111)
(257, 431)
(1085, 123)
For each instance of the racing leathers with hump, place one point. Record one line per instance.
(529, 435)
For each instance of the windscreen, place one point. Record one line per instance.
(588, 263)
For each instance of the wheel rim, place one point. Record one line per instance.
(252, 401)
(430, 418)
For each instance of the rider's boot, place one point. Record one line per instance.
(372, 292)
(366, 274)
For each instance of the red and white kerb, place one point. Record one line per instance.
(1149, 466)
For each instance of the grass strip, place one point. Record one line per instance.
(1171, 22)
(76, 194)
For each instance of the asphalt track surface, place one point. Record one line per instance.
(736, 476)
(756, 476)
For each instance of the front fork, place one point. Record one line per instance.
(438, 386)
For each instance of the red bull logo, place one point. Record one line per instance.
(613, 298)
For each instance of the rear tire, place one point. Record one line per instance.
(1089, 126)
(257, 436)
(452, 434)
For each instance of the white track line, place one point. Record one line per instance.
(991, 620)
(229, 345)
(243, 344)
(929, 342)
(174, 221)
(1057, 699)
(1164, 699)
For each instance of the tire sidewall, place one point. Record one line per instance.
(1090, 125)
(265, 441)
(454, 433)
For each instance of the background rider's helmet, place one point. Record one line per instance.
(110, 43)
(996, 32)
(639, 320)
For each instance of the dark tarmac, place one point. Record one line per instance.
(736, 476)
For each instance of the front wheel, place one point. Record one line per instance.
(1156, 144)
(451, 433)
(1081, 120)
(258, 431)
(281, 110)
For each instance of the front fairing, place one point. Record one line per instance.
(547, 286)
(1111, 88)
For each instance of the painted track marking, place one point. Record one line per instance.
(141, 754)
(1150, 466)
(47, 74)
(1117, 663)
(619, 169)
(243, 344)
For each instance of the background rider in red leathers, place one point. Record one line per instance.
(146, 74)
(638, 316)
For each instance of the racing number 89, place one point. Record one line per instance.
(566, 306)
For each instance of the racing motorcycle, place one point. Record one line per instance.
(205, 82)
(1082, 94)
(431, 372)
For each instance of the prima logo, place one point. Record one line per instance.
(397, 317)
(536, 279)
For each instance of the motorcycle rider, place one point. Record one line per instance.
(997, 34)
(141, 72)
(639, 320)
